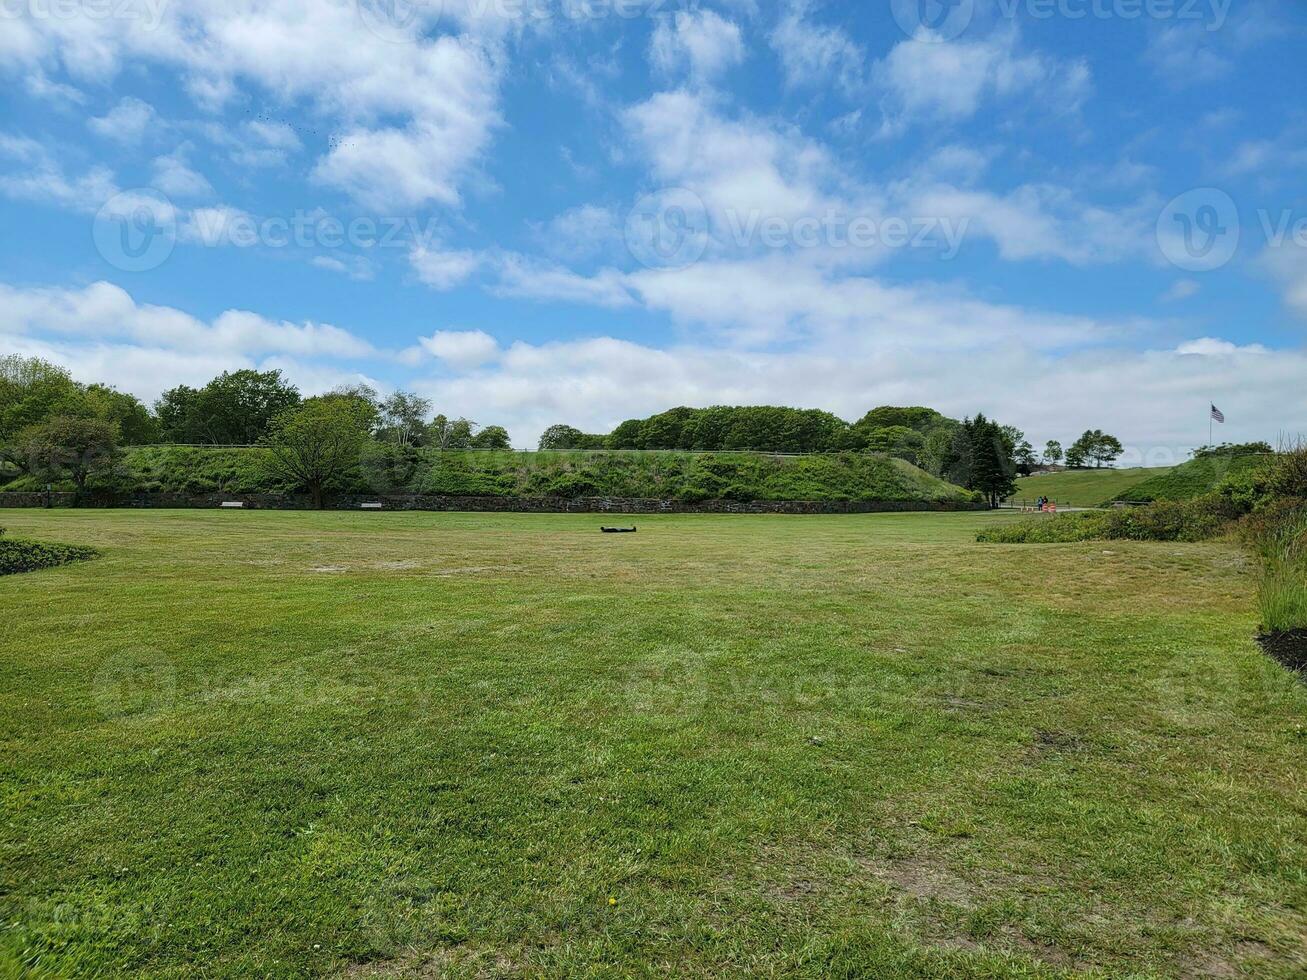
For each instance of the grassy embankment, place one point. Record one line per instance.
(677, 476)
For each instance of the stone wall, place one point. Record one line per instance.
(543, 505)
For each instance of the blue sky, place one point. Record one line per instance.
(1065, 213)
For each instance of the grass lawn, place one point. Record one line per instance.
(289, 744)
(1084, 488)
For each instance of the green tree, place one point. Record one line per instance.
(492, 437)
(315, 444)
(992, 470)
(404, 418)
(136, 426)
(69, 447)
(1094, 446)
(1052, 452)
(234, 408)
(1107, 449)
(31, 391)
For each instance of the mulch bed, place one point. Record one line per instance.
(1288, 647)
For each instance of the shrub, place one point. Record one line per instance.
(1171, 520)
(30, 556)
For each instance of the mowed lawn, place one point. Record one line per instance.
(1084, 488)
(446, 745)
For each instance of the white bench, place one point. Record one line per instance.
(232, 503)
(372, 506)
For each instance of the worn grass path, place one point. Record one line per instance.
(288, 744)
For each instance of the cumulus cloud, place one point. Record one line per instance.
(442, 269)
(949, 81)
(104, 313)
(173, 175)
(812, 54)
(462, 348)
(411, 119)
(127, 122)
(701, 42)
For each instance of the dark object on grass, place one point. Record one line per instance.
(1287, 647)
(618, 530)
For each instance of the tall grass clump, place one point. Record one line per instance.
(1278, 536)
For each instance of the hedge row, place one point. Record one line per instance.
(29, 556)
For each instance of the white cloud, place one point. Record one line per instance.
(527, 278)
(462, 348)
(701, 42)
(410, 119)
(45, 182)
(1181, 290)
(1041, 221)
(443, 269)
(125, 123)
(105, 313)
(583, 231)
(949, 81)
(742, 166)
(173, 175)
(814, 55)
(356, 267)
(1215, 347)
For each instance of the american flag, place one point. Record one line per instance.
(1218, 415)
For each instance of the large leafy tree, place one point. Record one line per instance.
(491, 437)
(31, 391)
(234, 408)
(316, 443)
(136, 426)
(69, 447)
(1094, 447)
(1053, 452)
(567, 437)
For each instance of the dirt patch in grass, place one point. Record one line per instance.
(926, 881)
(1287, 648)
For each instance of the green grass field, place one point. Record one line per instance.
(446, 745)
(1084, 488)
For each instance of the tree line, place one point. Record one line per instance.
(59, 430)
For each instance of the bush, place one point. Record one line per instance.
(1171, 520)
(30, 556)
